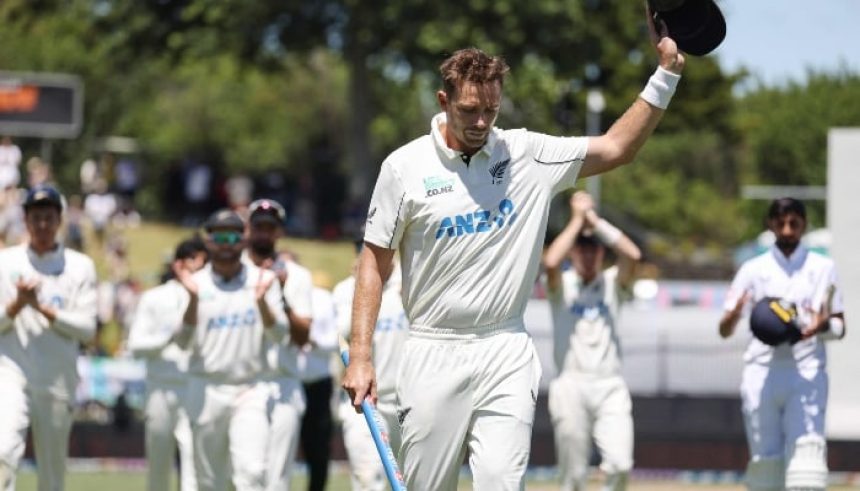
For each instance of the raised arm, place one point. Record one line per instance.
(374, 266)
(627, 251)
(554, 255)
(626, 136)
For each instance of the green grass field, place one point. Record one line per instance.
(135, 481)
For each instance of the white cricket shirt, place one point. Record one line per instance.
(390, 334)
(283, 356)
(584, 316)
(314, 358)
(46, 353)
(803, 278)
(470, 236)
(157, 318)
(228, 341)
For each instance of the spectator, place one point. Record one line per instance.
(10, 160)
(99, 207)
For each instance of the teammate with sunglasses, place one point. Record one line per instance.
(232, 306)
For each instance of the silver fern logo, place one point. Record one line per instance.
(497, 171)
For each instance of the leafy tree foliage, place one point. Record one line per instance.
(261, 86)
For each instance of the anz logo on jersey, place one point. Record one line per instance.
(590, 312)
(395, 323)
(233, 320)
(480, 221)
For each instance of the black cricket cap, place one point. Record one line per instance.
(266, 210)
(224, 219)
(698, 26)
(43, 195)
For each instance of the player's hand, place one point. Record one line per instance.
(184, 277)
(671, 58)
(820, 322)
(278, 267)
(264, 282)
(28, 292)
(580, 203)
(359, 381)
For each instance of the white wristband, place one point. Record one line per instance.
(607, 233)
(660, 88)
(835, 329)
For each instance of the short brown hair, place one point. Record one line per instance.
(472, 65)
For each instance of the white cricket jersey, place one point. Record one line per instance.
(314, 358)
(228, 341)
(42, 352)
(470, 236)
(804, 278)
(390, 334)
(584, 318)
(157, 318)
(283, 356)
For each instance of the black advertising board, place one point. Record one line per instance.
(44, 105)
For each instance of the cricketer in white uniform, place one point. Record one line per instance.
(467, 207)
(157, 320)
(389, 338)
(589, 398)
(48, 299)
(232, 306)
(784, 387)
(286, 398)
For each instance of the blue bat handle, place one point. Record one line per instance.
(371, 415)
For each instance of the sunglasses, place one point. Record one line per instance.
(226, 238)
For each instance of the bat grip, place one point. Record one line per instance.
(380, 439)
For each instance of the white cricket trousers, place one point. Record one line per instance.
(365, 465)
(51, 420)
(472, 391)
(167, 427)
(286, 406)
(780, 405)
(583, 407)
(230, 431)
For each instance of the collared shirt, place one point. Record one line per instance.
(584, 317)
(805, 278)
(470, 235)
(45, 353)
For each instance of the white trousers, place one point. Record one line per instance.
(365, 464)
(230, 430)
(51, 420)
(780, 405)
(581, 408)
(167, 427)
(478, 395)
(286, 406)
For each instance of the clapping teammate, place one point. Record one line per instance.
(589, 398)
(157, 320)
(47, 309)
(232, 307)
